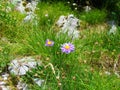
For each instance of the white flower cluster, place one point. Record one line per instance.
(22, 86)
(3, 84)
(21, 5)
(38, 81)
(30, 16)
(26, 7)
(69, 24)
(87, 8)
(113, 29)
(21, 66)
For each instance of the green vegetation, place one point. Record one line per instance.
(94, 16)
(83, 69)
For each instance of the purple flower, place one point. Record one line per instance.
(49, 43)
(67, 48)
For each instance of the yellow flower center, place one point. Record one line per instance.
(67, 47)
(49, 42)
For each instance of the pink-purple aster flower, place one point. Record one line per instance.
(67, 48)
(49, 42)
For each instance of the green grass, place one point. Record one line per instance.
(79, 70)
(94, 16)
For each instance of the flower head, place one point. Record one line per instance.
(21, 66)
(74, 4)
(67, 48)
(46, 15)
(49, 43)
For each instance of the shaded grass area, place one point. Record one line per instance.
(82, 69)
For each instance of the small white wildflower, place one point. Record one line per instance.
(46, 15)
(30, 16)
(113, 30)
(20, 7)
(61, 20)
(87, 8)
(5, 76)
(31, 6)
(74, 4)
(107, 73)
(76, 8)
(22, 86)
(38, 81)
(68, 2)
